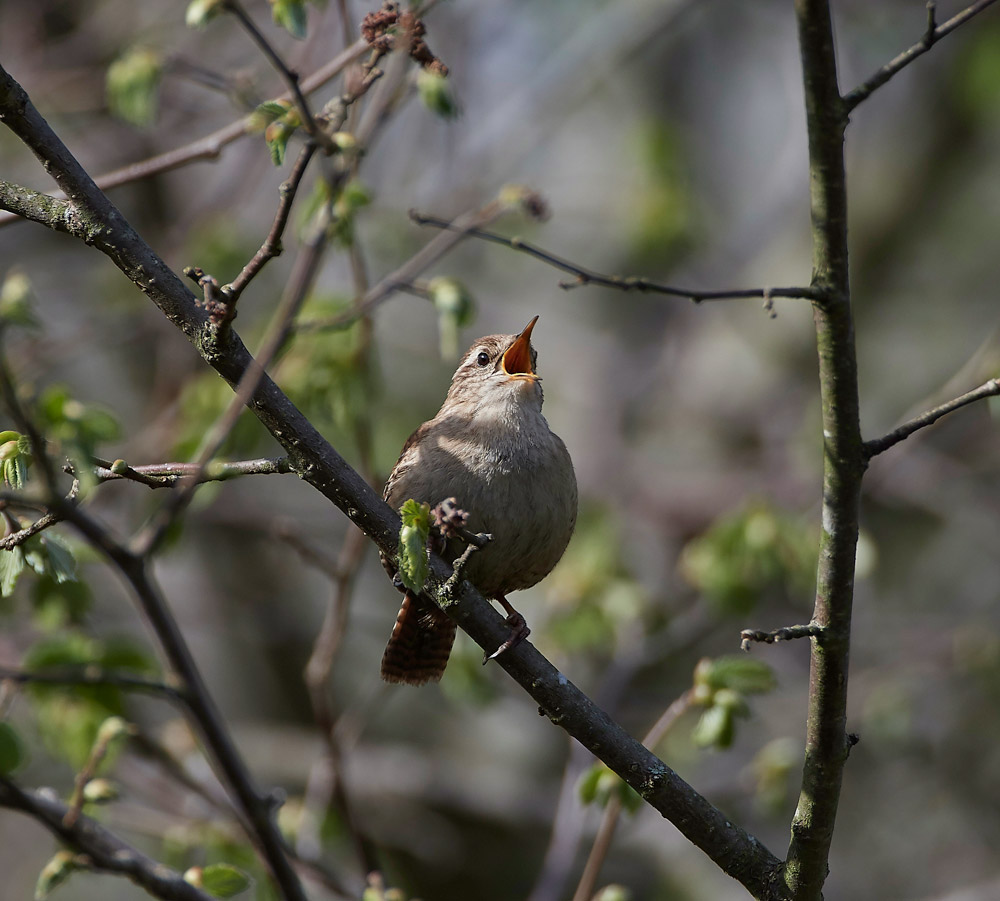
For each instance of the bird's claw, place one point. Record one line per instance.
(518, 632)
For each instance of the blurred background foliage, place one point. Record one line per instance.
(668, 139)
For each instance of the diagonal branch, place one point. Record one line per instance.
(878, 445)
(735, 851)
(105, 850)
(931, 36)
(584, 276)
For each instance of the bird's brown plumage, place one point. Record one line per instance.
(490, 448)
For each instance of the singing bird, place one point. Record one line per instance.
(490, 448)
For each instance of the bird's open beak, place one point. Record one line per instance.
(516, 360)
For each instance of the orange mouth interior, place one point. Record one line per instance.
(517, 358)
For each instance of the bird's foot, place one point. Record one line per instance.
(518, 632)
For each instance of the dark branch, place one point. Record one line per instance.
(878, 445)
(104, 850)
(90, 676)
(167, 475)
(931, 36)
(585, 276)
(205, 715)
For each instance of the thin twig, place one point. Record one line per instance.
(787, 633)
(402, 278)
(931, 36)
(205, 715)
(878, 445)
(272, 243)
(290, 78)
(103, 849)
(584, 276)
(209, 147)
(11, 541)
(167, 475)
(91, 675)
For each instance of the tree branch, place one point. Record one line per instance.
(931, 36)
(210, 146)
(827, 743)
(167, 475)
(288, 76)
(878, 445)
(402, 277)
(272, 243)
(735, 851)
(205, 714)
(585, 276)
(105, 850)
(787, 633)
(90, 676)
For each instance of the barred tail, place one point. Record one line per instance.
(420, 644)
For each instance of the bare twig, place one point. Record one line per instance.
(584, 276)
(103, 849)
(290, 78)
(402, 278)
(205, 715)
(272, 243)
(211, 146)
(931, 36)
(39, 525)
(878, 445)
(787, 633)
(91, 675)
(167, 475)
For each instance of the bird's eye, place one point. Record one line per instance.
(483, 358)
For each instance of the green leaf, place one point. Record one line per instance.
(59, 604)
(436, 94)
(290, 15)
(269, 111)
(738, 672)
(412, 552)
(715, 729)
(55, 873)
(12, 753)
(748, 554)
(68, 649)
(276, 137)
(11, 566)
(586, 786)
(100, 791)
(201, 12)
(456, 309)
(222, 880)
(16, 296)
(132, 85)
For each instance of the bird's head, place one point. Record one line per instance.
(498, 371)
